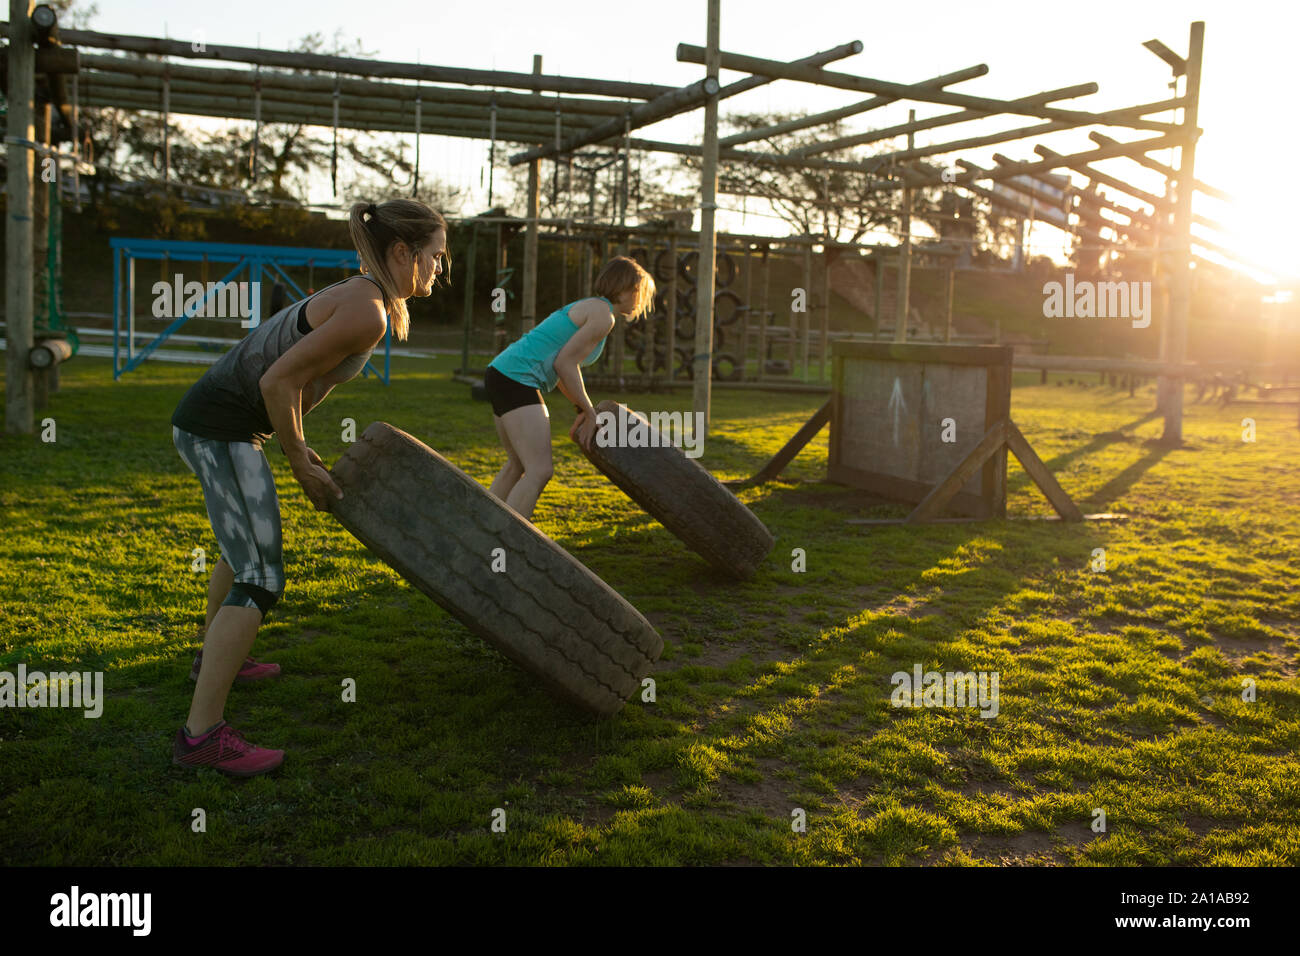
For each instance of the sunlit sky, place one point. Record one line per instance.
(1248, 148)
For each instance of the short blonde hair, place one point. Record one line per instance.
(621, 274)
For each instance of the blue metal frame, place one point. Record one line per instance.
(250, 257)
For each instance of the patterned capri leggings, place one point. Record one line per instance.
(239, 492)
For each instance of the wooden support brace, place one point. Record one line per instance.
(803, 436)
(1002, 433)
(1042, 476)
(939, 496)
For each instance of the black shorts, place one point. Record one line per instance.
(506, 394)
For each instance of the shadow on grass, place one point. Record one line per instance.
(1021, 480)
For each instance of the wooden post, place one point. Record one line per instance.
(672, 309)
(40, 233)
(528, 317)
(564, 272)
(805, 333)
(947, 302)
(19, 387)
(880, 292)
(762, 313)
(703, 360)
(620, 324)
(469, 299)
(606, 357)
(826, 312)
(585, 285)
(648, 321)
(749, 310)
(1181, 280)
(905, 252)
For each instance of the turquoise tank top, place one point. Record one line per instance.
(531, 359)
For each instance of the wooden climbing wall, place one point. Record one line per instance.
(904, 416)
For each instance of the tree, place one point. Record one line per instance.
(128, 144)
(837, 202)
(589, 185)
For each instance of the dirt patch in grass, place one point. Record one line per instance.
(1030, 848)
(831, 498)
(723, 653)
(1201, 825)
(914, 606)
(1238, 650)
(770, 795)
(987, 788)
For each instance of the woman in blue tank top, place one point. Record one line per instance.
(551, 355)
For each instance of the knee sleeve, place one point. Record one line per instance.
(256, 595)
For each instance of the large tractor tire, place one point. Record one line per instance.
(679, 493)
(440, 530)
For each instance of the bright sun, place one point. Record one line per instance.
(1255, 231)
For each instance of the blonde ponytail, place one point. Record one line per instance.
(374, 228)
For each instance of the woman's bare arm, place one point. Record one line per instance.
(594, 324)
(356, 325)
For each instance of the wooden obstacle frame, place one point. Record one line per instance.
(890, 410)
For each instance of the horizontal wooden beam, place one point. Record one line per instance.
(934, 122)
(990, 139)
(1044, 201)
(432, 108)
(1159, 203)
(748, 156)
(853, 109)
(406, 92)
(1082, 363)
(365, 120)
(670, 104)
(359, 67)
(1166, 170)
(689, 53)
(54, 59)
(1056, 161)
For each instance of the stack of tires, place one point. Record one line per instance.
(728, 307)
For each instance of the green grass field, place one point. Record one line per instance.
(1120, 691)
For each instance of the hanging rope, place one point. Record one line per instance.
(636, 183)
(568, 185)
(257, 125)
(166, 119)
(492, 148)
(555, 172)
(76, 148)
(334, 153)
(627, 154)
(416, 187)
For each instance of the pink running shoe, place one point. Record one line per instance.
(224, 748)
(251, 670)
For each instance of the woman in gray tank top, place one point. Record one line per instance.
(263, 386)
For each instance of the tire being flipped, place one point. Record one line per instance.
(679, 493)
(438, 528)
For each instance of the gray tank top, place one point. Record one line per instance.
(226, 403)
